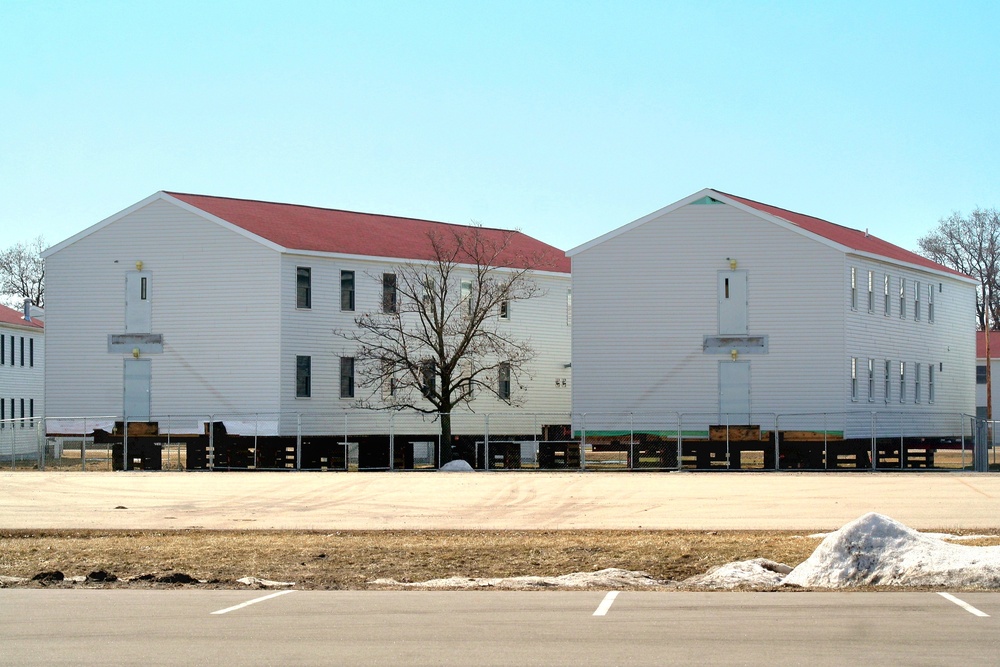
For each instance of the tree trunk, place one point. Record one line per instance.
(446, 451)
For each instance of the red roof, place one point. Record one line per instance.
(309, 228)
(852, 238)
(11, 316)
(994, 345)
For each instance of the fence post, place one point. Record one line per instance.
(83, 446)
(392, 443)
(583, 441)
(211, 443)
(40, 442)
(298, 440)
(874, 445)
(631, 441)
(124, 443)
(777, 446)
(486, 441)
(256, 430)
(729, 458)
(680, 439)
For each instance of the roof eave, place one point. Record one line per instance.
(403, 260)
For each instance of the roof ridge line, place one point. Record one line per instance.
(339, 210)
(805, 215)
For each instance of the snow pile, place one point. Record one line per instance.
(610, 578)
(756, 573)
(458, 465)
(875, 550)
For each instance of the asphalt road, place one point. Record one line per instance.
(132, 627)
(494, 500)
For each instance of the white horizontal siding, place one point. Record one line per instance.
(22, 379)
(644, 300)
(949, 342)
(214, 298)
(542, 320)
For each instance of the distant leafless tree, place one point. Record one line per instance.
(22, 273)
(441, 336)
(971, 245)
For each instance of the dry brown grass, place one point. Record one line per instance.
(352, 559)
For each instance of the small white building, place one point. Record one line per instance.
(22, 375)
(730, 311)
(981, 372)
(188, 305)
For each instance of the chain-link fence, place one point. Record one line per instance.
(367, 440)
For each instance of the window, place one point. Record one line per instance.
(22, 352)
(31, 408)
(885, 288)
(505, 310)
(143, 282)
(981, 374)
(303, 287)
(569, 307)
(916, 300)
(854, 288)
(854, 378)
(428, 377)
(31, 352)
(388, 379)
(3, 348)
(888, 379)
(504, 388)
(389, 293)
(303, 377)
(12, 363)
(871, 291)
(930, 303)
(871, 380)
(428, 290)
(930, 383)
(468, 385)
(466, 295)
(902, 298)
(916, 382)
(347, 377)
(22, 413)
(347, 290)
(902, 382)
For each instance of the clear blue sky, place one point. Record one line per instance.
(563, 119)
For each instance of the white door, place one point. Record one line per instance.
(138, 377)
(138, 308)
(734, 392)
(733, 303)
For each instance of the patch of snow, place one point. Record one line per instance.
(610, 578)
(756, 573)
(265, 583)
(458, 465)
(940, 536)
(875, 550)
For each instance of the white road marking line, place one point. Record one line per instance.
(606, 603)
(250, 602)
(964, 605)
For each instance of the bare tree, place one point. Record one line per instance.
(441, 336)
(971, 245)
(22, 273)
